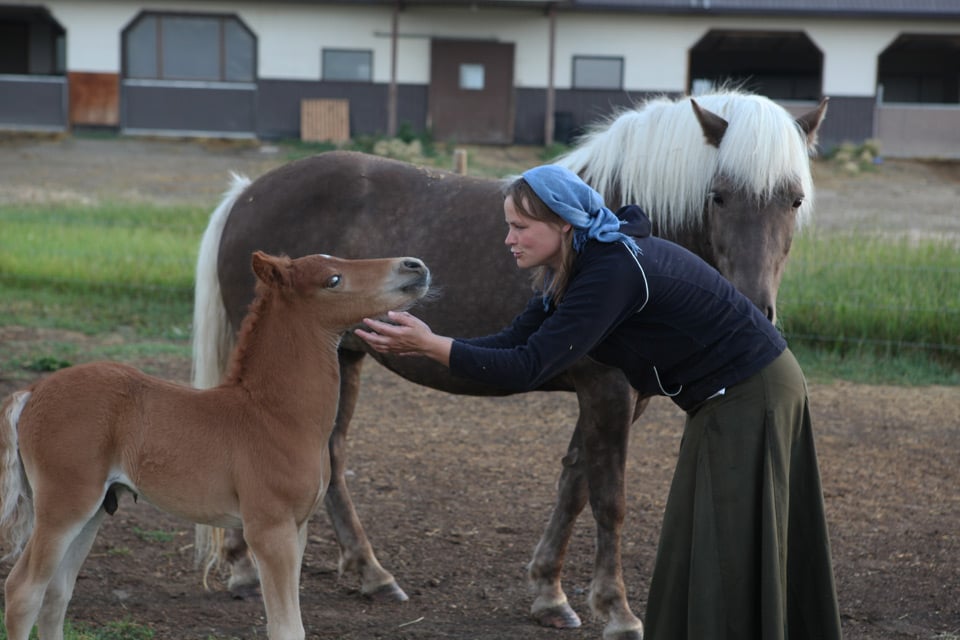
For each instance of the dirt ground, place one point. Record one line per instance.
(455, 491)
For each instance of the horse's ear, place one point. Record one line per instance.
(714, 127)
(809, 122)
(270, 270)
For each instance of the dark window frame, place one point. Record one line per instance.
(574, 84)
(160, 74)
(334, 50)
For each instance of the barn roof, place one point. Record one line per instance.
(835, 8)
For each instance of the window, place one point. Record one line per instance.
(347, 65)
(472, 77)
(597, 72)
(189, 47)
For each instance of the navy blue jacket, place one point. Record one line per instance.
(669, 320)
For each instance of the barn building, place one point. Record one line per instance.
(489, 72)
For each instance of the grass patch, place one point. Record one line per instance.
(874, 307)
(154, 535)
(117, 630)
(94, 269)
(861, 307)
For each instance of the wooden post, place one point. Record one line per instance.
(460, 161)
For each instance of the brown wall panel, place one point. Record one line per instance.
(94, 99)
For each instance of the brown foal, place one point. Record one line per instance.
(251, 452)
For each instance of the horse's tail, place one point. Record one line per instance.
(213, 339)
(16, 502)
(212, 335)
(208, 549)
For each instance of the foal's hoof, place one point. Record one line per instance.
(389, 592)
(561, 616)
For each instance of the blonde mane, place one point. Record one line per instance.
(655, 155)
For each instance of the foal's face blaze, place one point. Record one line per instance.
(748, 239)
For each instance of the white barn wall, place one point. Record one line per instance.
(655, 48)
(93, 32)
(852, 50)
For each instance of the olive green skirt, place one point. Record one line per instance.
(744, 551)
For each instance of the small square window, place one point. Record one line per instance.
(471, 77)
(597, 72)
(347, 65)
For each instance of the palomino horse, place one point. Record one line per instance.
(728, 176)
(251, 452)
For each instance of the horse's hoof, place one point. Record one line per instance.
(561, 616)
(247, 591)
(389, 592)
(627, 632)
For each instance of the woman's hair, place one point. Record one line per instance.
(528, 203)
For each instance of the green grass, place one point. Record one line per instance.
(874, 308)
(94, 269)
(859, 307)
(118, 630)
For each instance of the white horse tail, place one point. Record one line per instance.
(16, 502)
(208, 549)
(212, 336)
(213, 340)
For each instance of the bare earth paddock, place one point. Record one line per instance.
(455, 491)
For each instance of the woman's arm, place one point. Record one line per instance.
(408, 336)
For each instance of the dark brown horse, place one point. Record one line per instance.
(728, 176)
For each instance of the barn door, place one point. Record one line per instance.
(471, 91)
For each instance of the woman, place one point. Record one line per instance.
(744, 551)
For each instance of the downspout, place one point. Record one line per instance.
(392, 90)
(548, 120)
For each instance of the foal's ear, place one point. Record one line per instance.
(270, 270)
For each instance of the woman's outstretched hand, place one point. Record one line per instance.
(407, 335)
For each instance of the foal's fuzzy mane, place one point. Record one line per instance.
(263, 296)
(655, 155)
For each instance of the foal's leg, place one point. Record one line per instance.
(60, 589)
(607, 405)
(55, 530)
(356, 554)
(278, 548)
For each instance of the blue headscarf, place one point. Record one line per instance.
(579, 204)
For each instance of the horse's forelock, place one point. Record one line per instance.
(764, 149)
(655, 155)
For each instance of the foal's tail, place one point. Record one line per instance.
(213, 339)
(16, 502)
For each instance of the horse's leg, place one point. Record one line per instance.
(60, 589)
(550, 607)
(608, 406)
(244, 579)
(356, 554)
(278, 548)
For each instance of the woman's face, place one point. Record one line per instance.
(533, 243)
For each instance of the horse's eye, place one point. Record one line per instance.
(716, 198)
(797, 203)
(334, 281)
